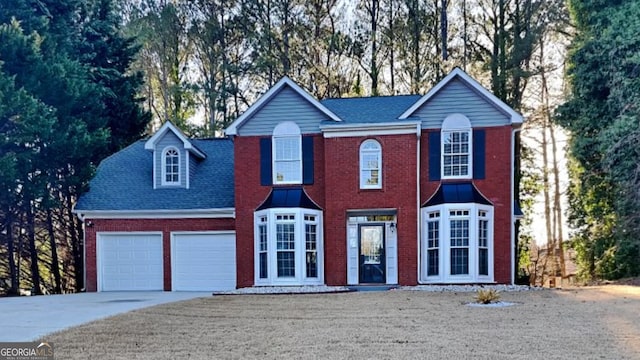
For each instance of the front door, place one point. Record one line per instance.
(372, 255)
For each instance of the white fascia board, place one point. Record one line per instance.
(169, 126)
(369, 129)
(516, 118)
(232, 130)
(219, 213)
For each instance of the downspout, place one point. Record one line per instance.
(512, 200)
(418, 215)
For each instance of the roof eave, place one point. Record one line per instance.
(228, 212)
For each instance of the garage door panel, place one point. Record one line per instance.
(203, 262)
(130, 262)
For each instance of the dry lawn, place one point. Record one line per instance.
(585, 323)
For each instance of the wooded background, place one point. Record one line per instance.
(79, 80)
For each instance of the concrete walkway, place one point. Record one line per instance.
(27, 318)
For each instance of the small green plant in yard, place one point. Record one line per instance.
(487, 296)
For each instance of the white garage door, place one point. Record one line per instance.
(203, 262)
(130, 262)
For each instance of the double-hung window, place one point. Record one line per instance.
(311, 245)
(287, 154)
(459, 239)
(370, 165)
(456, 147)
(433, 243)
(286, 245)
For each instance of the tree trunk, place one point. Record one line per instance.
(55, 264)
(33, 252)
(550, 219)
(77, 247)
(373, 74)
(443, 29)
(464, 35)
(391, 50)
(13, 269)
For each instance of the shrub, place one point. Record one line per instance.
(487, 296)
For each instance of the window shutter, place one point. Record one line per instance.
(478, 154)
(307, 160)
(265, 162)
(434, 156)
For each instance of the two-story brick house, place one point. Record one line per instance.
(389, 190)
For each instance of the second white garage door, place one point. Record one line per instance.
(203, 261)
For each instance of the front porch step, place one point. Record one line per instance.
(375, 287)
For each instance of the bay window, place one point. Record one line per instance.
(288, 247)
(457, 243)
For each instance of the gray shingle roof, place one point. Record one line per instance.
(124, 181)
(369, 110)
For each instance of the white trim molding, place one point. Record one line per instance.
(220, 213)
(371, 129)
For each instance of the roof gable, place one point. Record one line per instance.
(284, 84)
(458, 75)
(169, 127)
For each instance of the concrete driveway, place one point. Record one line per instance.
(27, 318)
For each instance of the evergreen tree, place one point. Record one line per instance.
(78, 104)
(603, 114)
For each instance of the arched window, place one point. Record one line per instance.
(456, 147)
(287, 154)
(171, 166)
(370, 165)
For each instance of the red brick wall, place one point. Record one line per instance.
(398, 192)
(496, 187)
(166, 226)
(249, 194)
(339, 191)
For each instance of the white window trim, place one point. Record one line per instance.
(456, 123)
(300, 277)
(363, 151)
(284, 130)
(164, 181)
(444, 254)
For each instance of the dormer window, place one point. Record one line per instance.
(456, 147)
(171, 166)
(287, 154)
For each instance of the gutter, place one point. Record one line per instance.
(418, 212)
(158, 214)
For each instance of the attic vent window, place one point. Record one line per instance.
(171, 167)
